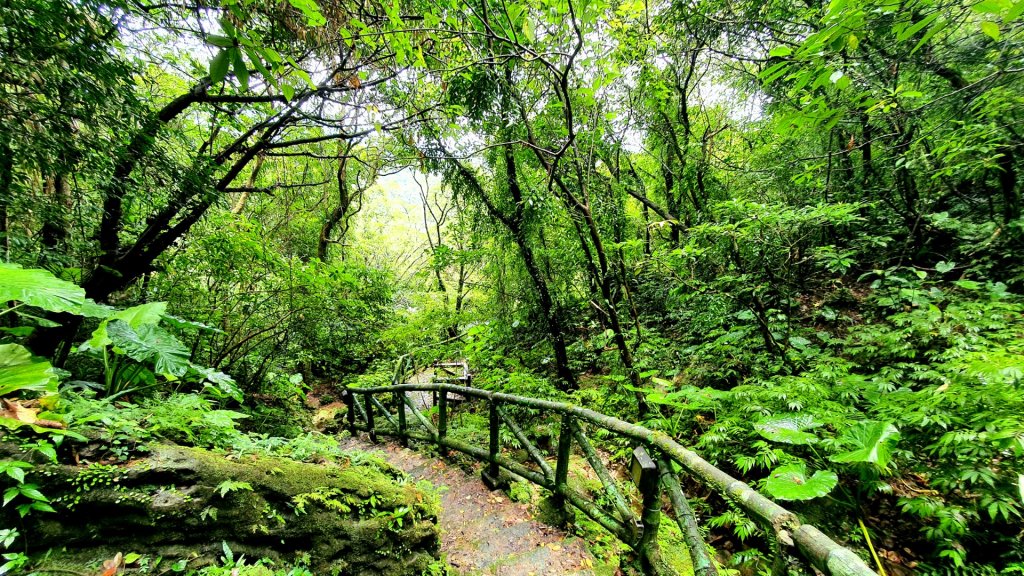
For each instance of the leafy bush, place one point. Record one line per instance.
(923, 403)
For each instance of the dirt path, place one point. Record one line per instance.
(483, 532)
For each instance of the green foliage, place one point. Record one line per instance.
(792, 482)
(228, 486)
(126, 427)
(788, 429)
(19, 372)
(795, 229)
(871, 442)
(40, 289)
(150, 345)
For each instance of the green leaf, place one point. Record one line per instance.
(219, 66)
(943, 267)
(232, 485)
(32, 491)
(150, 344)
(935, 29)
(17, 474)
(288, 92)
(530, 32)
(791, 482)
(913, 29)
(220, 41)
(799, 342)
(780, 52)
(19, 372)
(990, 29)
(788, 429)
(1015, 11)
(36, 287)
(1020, 486)
(310, 10)
(228, 555)
(241, 72)
(989, 6)
(91, 309)
(136, 316)
(872, 442)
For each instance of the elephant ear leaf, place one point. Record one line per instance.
(135, 317)
(39, 288)
(791, 482)
(872, 442)
(18, 371)
(788, 429)
(150, 344)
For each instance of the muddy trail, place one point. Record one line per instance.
(484, 532)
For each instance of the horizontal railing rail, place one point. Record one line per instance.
(653, 468)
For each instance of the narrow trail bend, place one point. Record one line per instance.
(483, 532)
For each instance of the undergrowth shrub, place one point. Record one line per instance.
(918, 410)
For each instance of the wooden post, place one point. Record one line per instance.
(350, 414)
(403, 427)
(687, 520)
(562, 464)
(442, 422)
(645, 475)
(368, 405)
(490, 475)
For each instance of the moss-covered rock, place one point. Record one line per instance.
(353, 519)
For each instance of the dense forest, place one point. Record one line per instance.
(787, 234)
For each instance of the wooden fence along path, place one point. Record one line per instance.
(655, 461)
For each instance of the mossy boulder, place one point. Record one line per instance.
(346, 519)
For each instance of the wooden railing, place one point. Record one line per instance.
(654, 468)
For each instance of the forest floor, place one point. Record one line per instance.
(484, 532)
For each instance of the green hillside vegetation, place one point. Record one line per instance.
(787, 234)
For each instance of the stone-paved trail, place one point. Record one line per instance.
(483, 532)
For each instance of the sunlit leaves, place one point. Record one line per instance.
(872, 443)
(788, 429)
(219, 66)
(990, 29)
(311, 10)
(39, 288)
(152, 345)
(241, 72)
(136, 316)
(791, 482)
(19, 372)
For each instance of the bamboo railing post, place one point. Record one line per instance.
(368, 405)
(442, 421)
(645, 475)
(403, 426)
(411, 406)
(618, 501)
(490, 475)
(527, 445)
(350, 412)
(384, 411)
(562, 463)
(687, 520)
